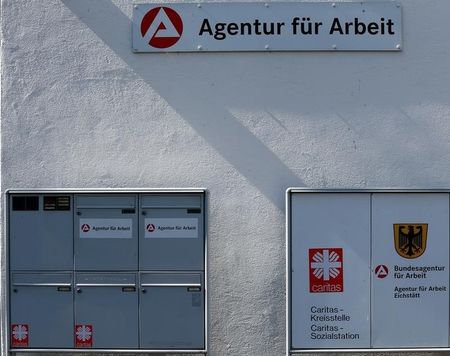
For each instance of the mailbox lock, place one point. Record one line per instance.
(78, 290)
(144, 213)
(15, 290)
(78, 212)
(144, 291)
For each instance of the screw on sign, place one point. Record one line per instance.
(161, 27)
(381, 271)
(151, 227)
(85, 228)
(19, 335)
(83, 336)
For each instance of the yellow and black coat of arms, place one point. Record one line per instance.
(410, 239)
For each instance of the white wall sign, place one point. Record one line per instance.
(271, 26)
(414, 295)
(368, 270)
(106, 228)
(329, 268)
(171, 228)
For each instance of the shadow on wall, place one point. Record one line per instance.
(193, 101)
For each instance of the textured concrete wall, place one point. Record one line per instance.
(79, 109)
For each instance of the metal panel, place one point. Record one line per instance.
(171, 201)
(113, 243)
(405, 309)
(33, 233)
(274, 26)
(109, 303)
(104, 201)
(172, 311)
(43, 302)
(417, 206)
(323, 225)
(171, 279)
(172, 233)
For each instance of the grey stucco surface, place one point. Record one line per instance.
(80, 110)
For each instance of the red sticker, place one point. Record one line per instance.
(19, 335)
(83, 336)
(162, 27)
(326, 270)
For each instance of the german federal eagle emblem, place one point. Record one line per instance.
(410, 239)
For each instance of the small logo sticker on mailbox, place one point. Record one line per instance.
(106, 228)
(171, 228)
(19, 335)
(83, 336)
(326, 270)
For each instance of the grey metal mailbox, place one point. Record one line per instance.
(172, 232)
(105, 232)
(41, 313)
(107, 305)
(172, 310)
(39, 224)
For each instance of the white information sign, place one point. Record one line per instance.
(106, 228)
(368, 270)
(171, 228)
(410, 305)
(329, 269)
(267, 26)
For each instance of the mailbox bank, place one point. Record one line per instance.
(107, 270)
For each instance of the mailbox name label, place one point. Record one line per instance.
(106, 228)
(171, 228)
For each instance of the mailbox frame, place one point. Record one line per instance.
(293, 190)
(5, 312)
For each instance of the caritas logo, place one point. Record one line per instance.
(19, 335)
(326, 270)
(161, 27)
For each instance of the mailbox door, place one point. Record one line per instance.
(107, 304)
(106, 233)
(38, 224)
(42, 306)
(172, 311)
(172, 232)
